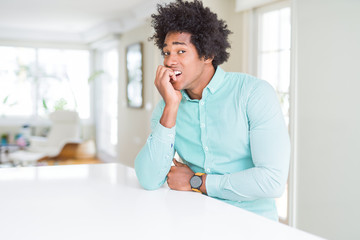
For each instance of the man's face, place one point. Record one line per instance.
(182, 57)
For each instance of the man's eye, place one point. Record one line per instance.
(166, 53)
(181, 51)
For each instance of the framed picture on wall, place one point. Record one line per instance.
(134, 73)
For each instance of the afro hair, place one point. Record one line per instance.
(208, 33)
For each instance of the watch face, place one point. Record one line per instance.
(196, 181)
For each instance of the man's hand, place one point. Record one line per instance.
(171, 96)
(179, 177)
(162, 82)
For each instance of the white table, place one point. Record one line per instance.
(105, 201)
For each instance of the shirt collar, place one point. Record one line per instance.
(185, 95)
(216, 80)
(213, 86)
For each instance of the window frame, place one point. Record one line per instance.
(98, 50)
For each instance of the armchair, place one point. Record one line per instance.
(64, 129)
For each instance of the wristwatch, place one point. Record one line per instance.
(196, 182)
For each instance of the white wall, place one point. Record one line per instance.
(225, 9)
(328, 117)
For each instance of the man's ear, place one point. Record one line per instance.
(208, 59)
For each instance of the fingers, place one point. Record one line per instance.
(175, 162)
(157, 73)
(169, 176)
(164, 74)
(167, 74)
(178, 164)
(172, 75)
(164, 80)
(178, 177)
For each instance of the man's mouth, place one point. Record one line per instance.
(177, 73)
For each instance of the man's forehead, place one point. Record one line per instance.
(177, 38)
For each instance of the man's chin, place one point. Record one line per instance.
(176, 86)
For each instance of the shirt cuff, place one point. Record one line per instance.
(213, 185)
(164, 134)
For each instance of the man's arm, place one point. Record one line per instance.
(270, 150)
(154, 160)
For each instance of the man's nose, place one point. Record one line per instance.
(170, 60)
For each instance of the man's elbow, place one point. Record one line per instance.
(147, 180)
(148, 173)
(276, 188)
(277, 180)
(278, 191)
(149, 185)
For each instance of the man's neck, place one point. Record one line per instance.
(196, 93)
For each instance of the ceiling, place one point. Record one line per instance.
(71, 20)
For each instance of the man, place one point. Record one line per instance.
(227, 128)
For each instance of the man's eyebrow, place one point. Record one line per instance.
(176, 43)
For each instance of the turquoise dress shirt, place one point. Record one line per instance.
(236, 134)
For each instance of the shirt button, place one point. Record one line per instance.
(202, 125)
(206, 148)
(201, 103)
(208, 170)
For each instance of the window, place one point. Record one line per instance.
(272, 61)
(37, 81)
(17, 95)
(273, 56)
(107, 103)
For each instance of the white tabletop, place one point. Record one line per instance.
(105, 201)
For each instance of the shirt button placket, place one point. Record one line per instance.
(203, 135)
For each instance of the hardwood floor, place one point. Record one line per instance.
(71, 153)
(74, 153)
(51, 162)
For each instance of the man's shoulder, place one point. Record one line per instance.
(241, 76)
(244, 81)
